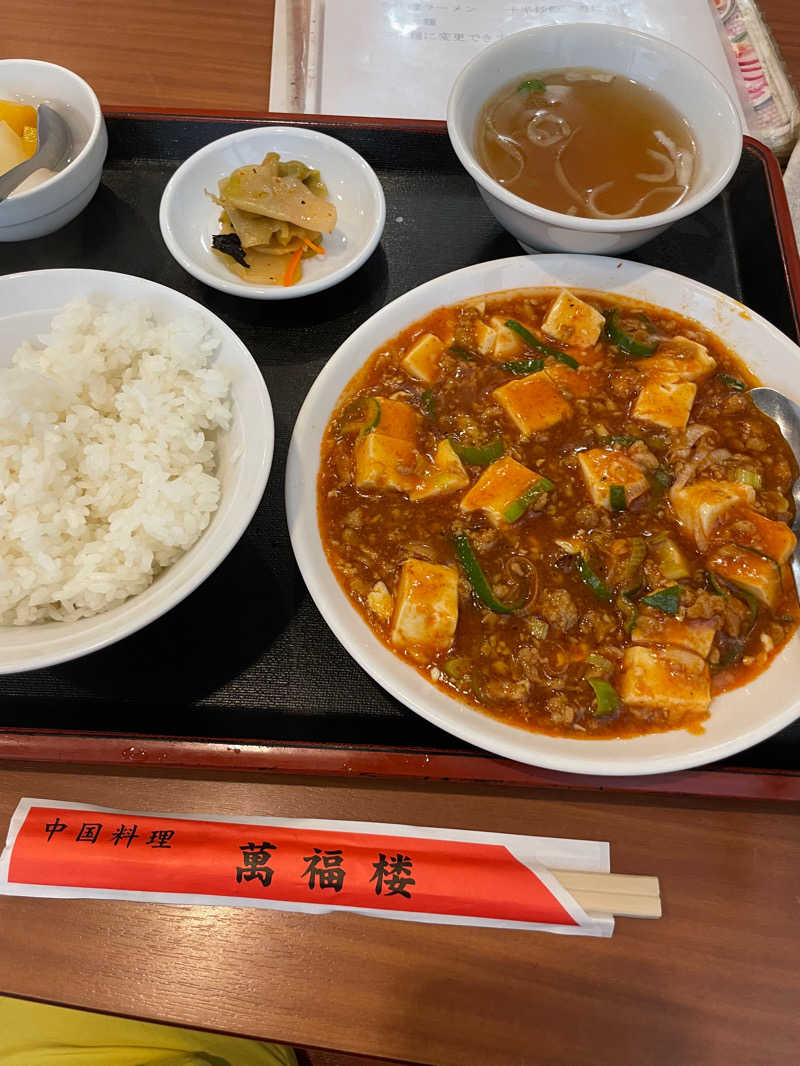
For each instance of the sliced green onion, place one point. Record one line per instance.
(599, 662)
(478, 456)
(591, 580)
(477, 579)
(739, 645)
(539, 628)
(606, 697)
(732, 383)
(660, 481)
(748, 477)
(629, 611)
(460, 352)
(523, 366)
(667, 600)
(456, 668)
(616, 497)
(624, 342)
(531, 85)
(428, 402)
(361, 416)
(716, 587)
(632, 577)
(518, 507)
(540, 346)
(669, 557)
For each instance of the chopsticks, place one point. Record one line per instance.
(623, 895)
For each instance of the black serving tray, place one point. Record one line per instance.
(246, 664)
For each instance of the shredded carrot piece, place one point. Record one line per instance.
(314, 247)
(291, 270)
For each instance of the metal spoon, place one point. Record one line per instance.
(787, 415)
(54, 143)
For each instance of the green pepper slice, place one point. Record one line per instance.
(360, 417)
(540, 346)
(481, 456)
(477, 579)
(667, 600)
(523, 366)
(428, 403)
(606, 697)
(591, 580)
(624, 342)
(517, 508)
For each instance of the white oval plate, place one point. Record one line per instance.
(27, 305)
(739, 718)
(189, 217)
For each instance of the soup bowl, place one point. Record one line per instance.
(679, 78)
(45, 208)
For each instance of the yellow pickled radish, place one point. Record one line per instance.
(30, 140)
(18, 116)
(12, 150)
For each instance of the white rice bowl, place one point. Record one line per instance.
(136, 440)
(107, 458)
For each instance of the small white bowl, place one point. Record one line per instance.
(189, 217)
(55, 202)
(739, 718)
(678, 77)
(27, 304)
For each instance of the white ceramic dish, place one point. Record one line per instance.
(739, 718)
(677, 76)
(189, 217)
(27, 304)
(51, 205)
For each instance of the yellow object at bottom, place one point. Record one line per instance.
(33, 1034)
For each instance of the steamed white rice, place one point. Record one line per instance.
(107, 458)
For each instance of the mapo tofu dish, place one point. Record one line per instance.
(563, 508)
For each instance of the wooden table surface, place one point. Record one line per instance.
(715, 981)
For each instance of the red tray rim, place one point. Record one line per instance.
(75, 748)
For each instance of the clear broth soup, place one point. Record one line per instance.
(587, 142)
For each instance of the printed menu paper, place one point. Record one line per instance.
(317, 866)
(399, 59)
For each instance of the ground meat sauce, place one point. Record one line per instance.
(624, 502)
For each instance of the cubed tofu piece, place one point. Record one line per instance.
(507, 343)
(485, 337)
(573, 321)
(383, 462)
(398, 419)
(421, 361)
(380, 601)
(533, 403)
(604, 467)
(752, 530)
(498, 486)
(680, 359)
(579, 383)
(701, 505)
(426, 609)
(696, 635)
(446, 475)
(665, 403)
(665, 679)
(753, 572)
